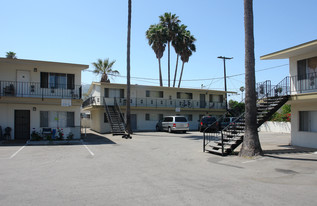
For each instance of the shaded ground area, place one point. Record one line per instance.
(155, 168)
(13, 142)
(92, 137)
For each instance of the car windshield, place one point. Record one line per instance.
(180, 119)
(208, 120)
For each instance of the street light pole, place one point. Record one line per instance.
(225, 76)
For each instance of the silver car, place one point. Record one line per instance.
(175, 123)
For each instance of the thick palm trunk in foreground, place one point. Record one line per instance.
(251, 144)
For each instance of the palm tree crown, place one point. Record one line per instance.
(157, 38)
(104, 67)
(171, 23)
(11, 55)
(188, 47)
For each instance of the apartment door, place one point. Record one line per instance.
(23, 83)
(21, 124)
(133, 122)
(202, 100)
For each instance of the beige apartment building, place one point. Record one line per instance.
(149, 104)
(302, 84)
(39, 94)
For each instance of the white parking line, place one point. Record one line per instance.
(17, 152)
(92, 154)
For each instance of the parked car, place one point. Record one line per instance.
(175, 123)
(227, 121)
(209, 122)
(158, 126)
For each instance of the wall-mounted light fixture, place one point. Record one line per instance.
(35, 69)
(34, 109)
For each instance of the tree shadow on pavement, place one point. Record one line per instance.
(275, 153)
(94, 138)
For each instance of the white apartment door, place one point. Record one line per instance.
(23, 83)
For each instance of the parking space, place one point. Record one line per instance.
(155, 168)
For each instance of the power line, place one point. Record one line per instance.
(191, 80)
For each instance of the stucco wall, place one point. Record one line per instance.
(302, 138)
(7, 116)
(9, 70)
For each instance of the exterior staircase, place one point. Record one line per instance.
(229, 138)
(115, 118)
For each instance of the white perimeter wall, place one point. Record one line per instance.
(280, 127)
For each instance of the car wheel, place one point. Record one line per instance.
(170, 130)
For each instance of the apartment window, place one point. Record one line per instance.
(43, 119)
(111, 93)
(306, 67)
(189, 117)
(57, 80)
(308, 121)
(154, 94)
(105, 118)
(70, 119)
(221, 98)
(210, 98)
(184, 95)
(57, 119)
(147, 117)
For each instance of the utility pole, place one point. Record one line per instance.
(225, 77)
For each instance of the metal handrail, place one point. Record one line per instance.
(36, 89)
(120, 113)
(107, 111)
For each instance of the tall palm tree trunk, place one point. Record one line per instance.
(128, 111)
(160, 71)
(175, 70)
(180, 78)
(251, 144)
(169, 68)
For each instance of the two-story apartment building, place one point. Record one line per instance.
(39, 94)
(150, 103)
(302, 85)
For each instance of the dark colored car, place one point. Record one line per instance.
(159, 126)
(227, 121)
(209, 122)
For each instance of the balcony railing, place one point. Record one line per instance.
(34, 89)
(288, 86)
(155, 103)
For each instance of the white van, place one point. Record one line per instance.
(175, 123)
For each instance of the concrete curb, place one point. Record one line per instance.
(60, 142)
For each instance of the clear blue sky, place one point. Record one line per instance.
(81, 31)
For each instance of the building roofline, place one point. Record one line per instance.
(29, 61)
(291, 51)
(159, 87)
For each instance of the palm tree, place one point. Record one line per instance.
(104, 67)
(251, 144)
(188, 47)
(156, 35)
(11, 55)
(242, 90)
(171, 22)
(128, 110)
(177, 44)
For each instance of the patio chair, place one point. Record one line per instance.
(46, 131)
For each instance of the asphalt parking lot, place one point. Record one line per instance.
(155, 168)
